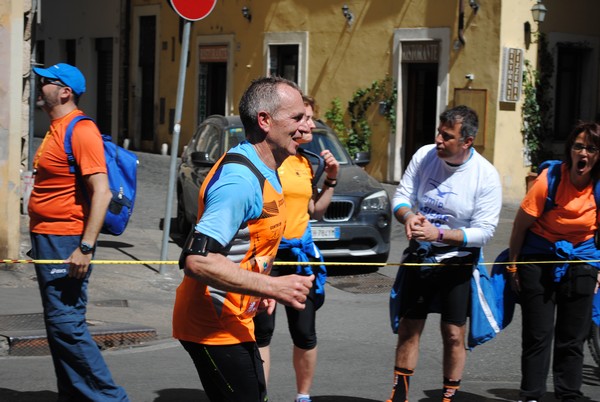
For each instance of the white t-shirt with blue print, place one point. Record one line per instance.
(466, 197)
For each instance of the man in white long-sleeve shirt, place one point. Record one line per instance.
(449, 200)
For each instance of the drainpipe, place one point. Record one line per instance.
(461, 21)
(34, 20)
(124, 89)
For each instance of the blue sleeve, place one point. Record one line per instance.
(232, 198)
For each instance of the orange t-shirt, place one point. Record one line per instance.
(572, 219)
(57, 205)
(296, 176)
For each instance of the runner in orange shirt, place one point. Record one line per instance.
(229, 255)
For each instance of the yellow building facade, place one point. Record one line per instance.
(439, 54)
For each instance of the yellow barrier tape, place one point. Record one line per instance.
(329, 263)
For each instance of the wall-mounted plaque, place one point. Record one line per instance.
(512, 74)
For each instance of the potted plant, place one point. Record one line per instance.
(535, 111)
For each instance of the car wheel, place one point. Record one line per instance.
(183, 226)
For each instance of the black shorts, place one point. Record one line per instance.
(229, 373)
(441, 289)
(301, 323)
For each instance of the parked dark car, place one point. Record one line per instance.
(356, 226)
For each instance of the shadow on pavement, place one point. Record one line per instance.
(181, 395)
(174, 235)
(505, 394)
(512, 394)
(10, 395)
(591, 375)
(331, 398)
(165, 395)
(502, 394)
(121, 246)
(185, 395)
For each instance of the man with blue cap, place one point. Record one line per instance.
(66, 214)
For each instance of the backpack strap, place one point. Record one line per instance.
(554, 175)
(68, 145)
(242, 160)
(596, 190)
(320, 161)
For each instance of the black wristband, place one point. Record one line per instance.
(199, 244)
(329, 184)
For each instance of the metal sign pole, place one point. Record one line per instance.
(175, 143)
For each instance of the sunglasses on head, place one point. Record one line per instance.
(46, 80)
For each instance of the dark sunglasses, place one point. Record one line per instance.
(578, 147)
(45, 81)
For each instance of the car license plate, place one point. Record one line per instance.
(325, 233)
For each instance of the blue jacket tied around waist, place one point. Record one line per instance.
(303, 248)
(483, 321)
(534, 244)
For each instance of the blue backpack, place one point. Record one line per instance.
(121, 167)
(554, 173)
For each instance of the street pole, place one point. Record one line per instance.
(175, 144)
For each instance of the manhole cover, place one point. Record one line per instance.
(111, 303)
(368, 283)
(22, 322)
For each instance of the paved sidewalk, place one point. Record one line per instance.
(135, 294)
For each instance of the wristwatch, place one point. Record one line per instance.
(86, 248)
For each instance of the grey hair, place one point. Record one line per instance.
(261, 96)
(464, 115)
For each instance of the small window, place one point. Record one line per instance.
(212, 80)
(283, 61)
(104, 87)
(286, 55)
(40, 53)
(71, 51)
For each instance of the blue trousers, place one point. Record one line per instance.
(82, 374)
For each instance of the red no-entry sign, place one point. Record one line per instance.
(193, 10)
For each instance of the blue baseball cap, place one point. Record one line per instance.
(67, 74)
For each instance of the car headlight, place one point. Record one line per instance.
(378, 201)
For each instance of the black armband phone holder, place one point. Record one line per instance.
(199, 244)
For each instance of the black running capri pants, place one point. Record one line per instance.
(229, 373)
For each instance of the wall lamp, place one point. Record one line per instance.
(538, 12)
(348, 14)
(246, 13)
